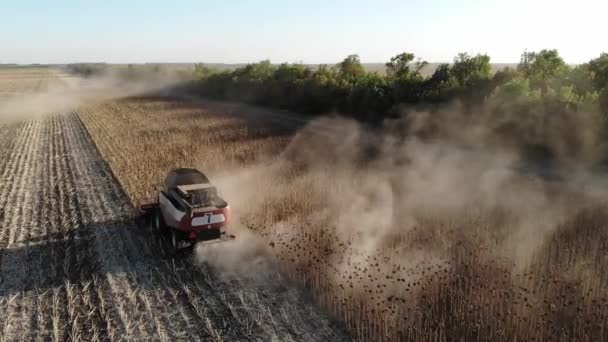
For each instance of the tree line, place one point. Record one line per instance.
(542, 80)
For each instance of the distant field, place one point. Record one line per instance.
(18, 81)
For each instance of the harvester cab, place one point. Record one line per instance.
(187, 210)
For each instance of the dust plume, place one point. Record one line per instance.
(377, 183)
(65, 92)
(477, 194)
(244, 256)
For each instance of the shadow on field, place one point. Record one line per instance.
(75, 257)
(133, 257)
(122, 247)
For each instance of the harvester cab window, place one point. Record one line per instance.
(203, 197)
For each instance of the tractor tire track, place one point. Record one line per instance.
(7, 141)
(111, 258)
(14, 267)
(11, 179)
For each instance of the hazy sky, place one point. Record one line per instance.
(312, 31)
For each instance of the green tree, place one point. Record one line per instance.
(255, 71)
(581, 79)
(598, 68)
(325, 74)
(471, 70)
(321, 90)
(291, 72)
(368, 99)
(400, 67)
(351, 67)
(441, 74)
(404, 79)
(541, 67)
(505, 75)
(441, 85)
(287, 86)
(525, 62)
(513, 89)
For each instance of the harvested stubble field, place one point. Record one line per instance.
(74, 266)
(400, 240)
(19, 81)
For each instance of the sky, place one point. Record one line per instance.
(313, 31)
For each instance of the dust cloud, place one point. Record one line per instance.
(244, 256)
(506, 178)
(66, 92)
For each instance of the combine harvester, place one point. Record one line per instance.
(187, 210)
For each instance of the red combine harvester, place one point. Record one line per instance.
(187, 210)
